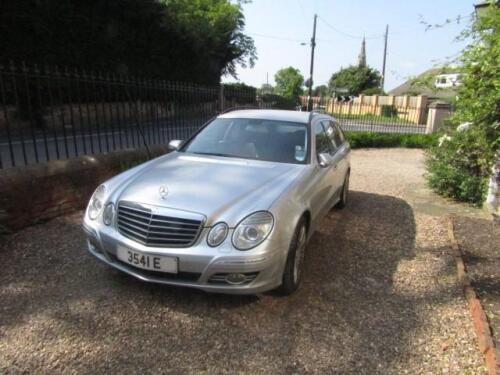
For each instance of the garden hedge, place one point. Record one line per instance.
(381, 140)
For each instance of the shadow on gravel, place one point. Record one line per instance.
(479, 241)
(351, 264)
(346, 318)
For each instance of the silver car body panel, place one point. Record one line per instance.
(222, 189)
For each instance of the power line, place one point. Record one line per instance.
(352, 36)
(349, 35)
(277, 37)
(302, 13)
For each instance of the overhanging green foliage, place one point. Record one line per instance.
(180, 40)
(460, 166)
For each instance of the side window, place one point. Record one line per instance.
(323, 143)
(330, 132)
(339, 133)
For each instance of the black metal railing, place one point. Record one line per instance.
(49, 113)
(380, 114)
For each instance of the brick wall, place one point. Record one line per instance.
(32, 194)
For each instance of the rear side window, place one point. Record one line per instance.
(323, 143)
(339, 132)
(336, 138)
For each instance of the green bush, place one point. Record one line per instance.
(381, 140)
(373, 91)
(389, 110)
(278, 102)
(458, 167)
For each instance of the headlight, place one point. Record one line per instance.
(217, 234)
(96, 202)
(252, 230)
(108, 214)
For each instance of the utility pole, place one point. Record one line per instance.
(313, 44)
(385, 57)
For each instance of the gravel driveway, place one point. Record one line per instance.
(380, 296)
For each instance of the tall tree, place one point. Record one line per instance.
(188, 40)
(289, 82)
(355, 79)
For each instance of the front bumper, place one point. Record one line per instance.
(200, 266)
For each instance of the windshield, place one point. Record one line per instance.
(278, 141)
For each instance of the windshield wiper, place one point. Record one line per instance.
(213, 154)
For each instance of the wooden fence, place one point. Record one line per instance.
(409, 108)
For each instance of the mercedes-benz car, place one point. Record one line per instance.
(230, 209)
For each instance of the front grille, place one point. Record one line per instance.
(140, 224)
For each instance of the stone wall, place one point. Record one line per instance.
(32, 194)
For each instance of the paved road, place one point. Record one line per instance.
(64, 146)
(380, 296)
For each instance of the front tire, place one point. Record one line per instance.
(345, 192)
(294, 262)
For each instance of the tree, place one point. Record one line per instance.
(308, 83)
(183, 40)
(289, 83)
(321, 90)
(373, 91)
(461, 165)
(355, 79)
(238, 93)
(266, 88)
(215, 29)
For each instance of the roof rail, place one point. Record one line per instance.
(316, 112)
(310, 116)
(231, 109)
(320, 111)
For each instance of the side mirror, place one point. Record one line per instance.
(324, 160)
(174, 144)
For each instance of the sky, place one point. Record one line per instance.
(279, 26)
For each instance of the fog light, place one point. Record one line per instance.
(235, 278)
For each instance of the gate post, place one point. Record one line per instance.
(438, 112)
(375, 106)
(421, 107)
(221, 98)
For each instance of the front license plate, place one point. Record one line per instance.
(146, 261)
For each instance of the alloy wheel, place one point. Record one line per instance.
(299, 254)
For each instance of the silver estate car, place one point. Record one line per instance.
(229, 210)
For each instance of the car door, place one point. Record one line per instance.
(322, 191)
(337, 163)
(343, 150)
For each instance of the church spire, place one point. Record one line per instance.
(362, 54)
